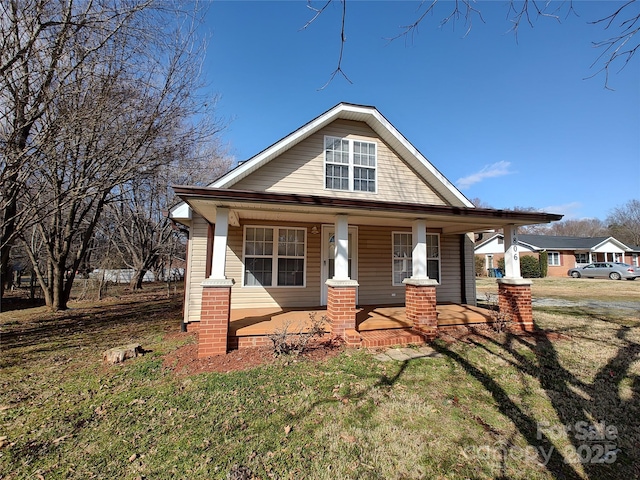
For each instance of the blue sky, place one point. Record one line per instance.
(514, 123)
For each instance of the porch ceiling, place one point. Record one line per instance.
(250, 205)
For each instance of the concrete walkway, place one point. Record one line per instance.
(404, 354)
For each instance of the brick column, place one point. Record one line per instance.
(214, 318)
(341, 306)
(420, 304)
(514, 300)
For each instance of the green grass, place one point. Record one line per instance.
(474, 412)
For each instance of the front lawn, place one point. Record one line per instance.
(568, 288)
(490, 405)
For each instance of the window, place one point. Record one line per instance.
(268, 265)
(350, 164)
(402, 252)
(554, 259)
(582, 258)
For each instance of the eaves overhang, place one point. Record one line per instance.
(449, 218)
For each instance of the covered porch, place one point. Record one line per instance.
(376, 325)
(348, 253)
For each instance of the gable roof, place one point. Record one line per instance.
(379, 124)
(558, 242)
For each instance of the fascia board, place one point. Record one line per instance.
(612, 240)
(281, 146)
(417, 160)
(489, 240)
(378, 123)
(181, 211)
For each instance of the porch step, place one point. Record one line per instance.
(391, 338)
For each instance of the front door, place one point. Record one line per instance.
(328, 254)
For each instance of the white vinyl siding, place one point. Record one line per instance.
(274, 256)
(301, 170)
(350, 164)
(197, 267)
(373, 274)
(267, 297)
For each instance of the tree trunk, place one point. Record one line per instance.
(136, 280)
(59, 297)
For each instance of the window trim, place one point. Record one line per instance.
(350, 166)
(550, 256)
(274, 256)
(410, 233)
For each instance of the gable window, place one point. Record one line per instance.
(274, 256)
(350, 165)
(402, 253)
(553, 259)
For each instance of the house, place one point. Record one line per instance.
(563, 252)
(344, 217)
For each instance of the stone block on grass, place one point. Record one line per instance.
(120, 354)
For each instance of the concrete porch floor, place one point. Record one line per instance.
(265, 321)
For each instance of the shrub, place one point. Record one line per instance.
(286, 342)
(544, 264)
(480, 271)
(529, 266)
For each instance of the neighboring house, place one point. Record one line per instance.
(341, 214)
(563, 252)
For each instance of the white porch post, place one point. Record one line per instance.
(213, 337)
(341, 290)
(221, 233)
(511, 255)
(342, 248)
(419, 253)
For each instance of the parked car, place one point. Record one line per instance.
(612, 270)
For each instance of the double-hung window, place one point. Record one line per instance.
(553, 259)
(350, 164)
(402, 253)
(274, 256)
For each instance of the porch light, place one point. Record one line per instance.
(314, 230)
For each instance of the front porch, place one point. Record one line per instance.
(377, 326)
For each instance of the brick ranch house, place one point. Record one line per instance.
(563, 252)
(344, 217)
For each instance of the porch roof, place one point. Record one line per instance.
(253, 205)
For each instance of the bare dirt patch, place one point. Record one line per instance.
(184, 361)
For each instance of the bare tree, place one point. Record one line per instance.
(120, 103)
(138, 225)
(616, 50)
(586, 227)
(624, 223)
(479, 203)
(42, 43)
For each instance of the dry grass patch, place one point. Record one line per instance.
(489, 407)
(573, 288)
